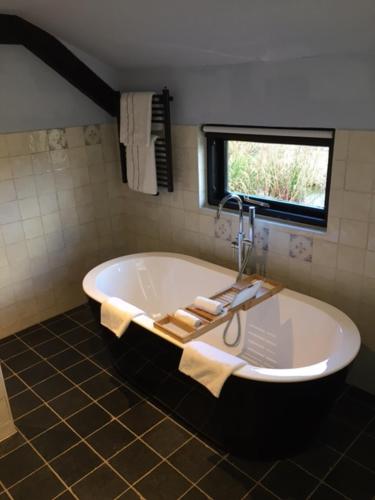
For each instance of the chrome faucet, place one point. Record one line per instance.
(240, 243)
(252, 207)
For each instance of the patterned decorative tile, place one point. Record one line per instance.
(92, 135)
(223, 229)
(56, 139)
(301, 247)
(261, 238)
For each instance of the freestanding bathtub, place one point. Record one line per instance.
(298, 350)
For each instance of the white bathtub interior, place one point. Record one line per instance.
(158, 285)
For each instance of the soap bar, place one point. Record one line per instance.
(211, 306)
(187, 318)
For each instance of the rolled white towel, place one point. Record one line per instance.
(187, 318)
(211, 306)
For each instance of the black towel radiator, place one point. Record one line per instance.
(161, 126)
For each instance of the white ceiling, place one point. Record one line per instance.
(175, 33)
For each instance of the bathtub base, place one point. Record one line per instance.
(251, 418)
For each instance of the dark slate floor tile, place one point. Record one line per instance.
(11, 443)
(363, 450)
(359, 395)
(354, 412)
(225, 481)
(75, 463)
(51, 347)
(37, 336)
(260, 493)
(110, 439)
(66, 495)
(166, 437)
(91, 346)
(96, 327)
(41, 485)
(61, 325)
(103, 358)
(324, 492)
(81, 314)
(194, 494)
(77, 335)
(337, 433)
(52, 387)
(23, 360)
(36, 421)
(317, 459)
(129, 494)
(55, 441)
(88, 420)
(23, 403)
(65, 359)
(81, 371)
(70, 402)
(134, 461)
(14, 386)
(37, 373)
(119, 401)
(100, 385)
(194, 459)
(352, 480)
(163, 483)
(7, 372)
(48, 321)
(141, 417)
(18, 464)
(12, 348)
(289, 481)
(256, 469)
(101, 484)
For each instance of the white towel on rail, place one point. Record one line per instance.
(135, 134)
(136, 118)
(207, 365)
(116, 315)
(141, 168)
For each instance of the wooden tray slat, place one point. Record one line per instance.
(185, 333)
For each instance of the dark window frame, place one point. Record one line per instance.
(217, 172)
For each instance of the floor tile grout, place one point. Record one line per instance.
(170, 414)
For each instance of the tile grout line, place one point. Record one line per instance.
(138, 437)
(166, 415)
(342, 455)
(112, 418)
(81, 439)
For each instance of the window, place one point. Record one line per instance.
(289, 169)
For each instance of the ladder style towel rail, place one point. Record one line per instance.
(161, 126)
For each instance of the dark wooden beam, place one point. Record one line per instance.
(15, 30)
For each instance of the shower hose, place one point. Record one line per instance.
(236, 341)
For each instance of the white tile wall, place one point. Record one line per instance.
(54, 199)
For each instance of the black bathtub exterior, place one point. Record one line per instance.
(250, 418)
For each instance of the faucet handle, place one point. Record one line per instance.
(256, 202)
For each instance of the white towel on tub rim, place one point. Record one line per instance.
(208, 365)
(116, 315)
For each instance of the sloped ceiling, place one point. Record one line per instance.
(175, 33)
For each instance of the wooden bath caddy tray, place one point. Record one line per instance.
(230, 299)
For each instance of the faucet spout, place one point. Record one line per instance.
(224, 201)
